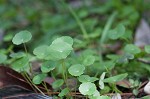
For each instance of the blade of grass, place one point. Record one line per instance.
(79, 22)
(107, 27)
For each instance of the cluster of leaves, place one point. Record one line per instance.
(82, 57)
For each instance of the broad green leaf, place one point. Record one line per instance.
(76, 70)
(63, 92)
(132, 49)
(147, 49)
(21, 64)
(60, 48)
(3, 58)
(115, 78)
(101, 83)
(48, 66)
(117, 32)
(22, 37)
(39, 78)
(58, 83)
(89, 60)
(17, 55)
(87, 78)
(40, 51)
(87, 88)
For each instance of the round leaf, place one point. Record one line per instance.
(21, 64)
(89, 60)
(58, 83)
(60, 48)
(39, 78)
(3, 58)
(76, 70)
(48, 66)
(87, 78)
(22, 37)
(40, 51)
(87, 88)
(132, 49)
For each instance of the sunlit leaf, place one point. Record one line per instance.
(76, 70)
(87, 88)
(22, 37)
(147, 49)
(48, 66)
(132, 49)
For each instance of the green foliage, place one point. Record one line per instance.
(48, 66)
(115, 78)
(89, 60)
(87, 88)
(3, 57)
(132, 49)
(87, 78)
(147, 49)
(39, 78)
(58, 83)
(64, 92)
(22, 37)
(76, 70)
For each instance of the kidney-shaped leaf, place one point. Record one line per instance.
(89, 60)
(60, 48)
(39, 78)
(22, 37)
(40, 51)
(87, 88)
(115, 78)
(76, 70)
(21, 64)
(48, 66)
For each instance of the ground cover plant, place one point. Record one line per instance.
(86, 51)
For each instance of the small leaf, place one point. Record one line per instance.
(115, 78)
(76, 70)
(60, 48)
(22, 37)
(39, 78)
(116, 33)
(102, 97)
(132, 49)
(58, 83)
(87, 78)
(17, 55)
(87, 88)
(147, 49)
(21, 64)
(40, 51)
(48, 66)
(3, 58)
(63, 92)
(89, 60)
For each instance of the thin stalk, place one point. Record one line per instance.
(107, 27)
(33, 83)
(44, 84)
(27, 56)
(79, 22)
(65, 76)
